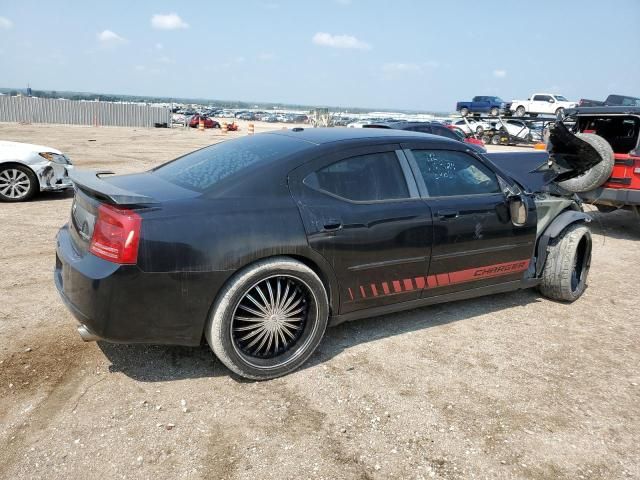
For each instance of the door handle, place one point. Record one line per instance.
(444, 214)
(332, 226)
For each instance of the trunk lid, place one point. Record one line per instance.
(139, 192)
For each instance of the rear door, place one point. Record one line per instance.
(481, 105)
(363, 213)
(540, 104)
(475, 243)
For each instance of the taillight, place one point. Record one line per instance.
(116, 235)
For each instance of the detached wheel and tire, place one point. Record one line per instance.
(599, 173)
(568, 260)
(17, 183)
(269, 319)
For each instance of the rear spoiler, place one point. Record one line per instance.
(90, 182)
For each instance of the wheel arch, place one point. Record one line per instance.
(315, 262)
(18, 163)
(553, 230)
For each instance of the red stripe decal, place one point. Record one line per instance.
(490, 271)
(444, 279)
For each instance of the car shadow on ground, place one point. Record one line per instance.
(159, 363)
(49, 196)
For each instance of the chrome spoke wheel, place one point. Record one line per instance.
(271, 317)
(14, 183)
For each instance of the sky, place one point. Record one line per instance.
(402, 54)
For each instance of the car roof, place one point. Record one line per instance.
(320, 136)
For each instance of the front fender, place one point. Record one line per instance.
(554, 229)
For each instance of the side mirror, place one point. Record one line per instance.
(551, 100)
(518, 210)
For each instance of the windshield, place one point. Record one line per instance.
(204, 168)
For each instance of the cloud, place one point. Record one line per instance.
(401, 67)
(339, 41)
(5, 23)
(110, 39)
(499, 73)
(170, 21)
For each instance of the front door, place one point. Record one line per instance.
(362, 212)
(475, 243)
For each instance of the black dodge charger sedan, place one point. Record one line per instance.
(257, 244)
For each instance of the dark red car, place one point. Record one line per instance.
(208, 122)
(466, 139)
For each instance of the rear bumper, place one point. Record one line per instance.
(123, 304)
(612, 196)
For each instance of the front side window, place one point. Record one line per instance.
(450, 173)
(366, 178)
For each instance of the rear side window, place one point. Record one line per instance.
(366, 178)
(203, 169)
(450, 173)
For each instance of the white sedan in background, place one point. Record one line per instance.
(27, 169)
(471, 126)
(359, 124)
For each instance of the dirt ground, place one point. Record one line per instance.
(507, 386)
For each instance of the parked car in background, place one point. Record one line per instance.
(463, 137)
(359, 124)
(433, 128)
(614, 133)
(257, 244)
(471, 126)
(27, 169)
(611, 100)
(541, 104)
(194, 122)
(482, 104)
(515, 128)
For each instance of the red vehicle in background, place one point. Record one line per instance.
(472, 140)
(208, 122)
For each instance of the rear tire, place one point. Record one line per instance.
(17, 183)
(565, 272)
(520, 111)
(464, 112)
(494, 112)
(250, 330)
(599, 173)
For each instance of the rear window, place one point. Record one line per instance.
(203, 169)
